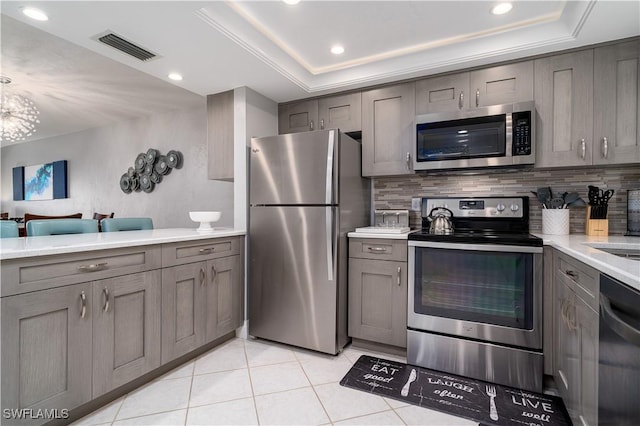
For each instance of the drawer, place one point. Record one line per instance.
(43, 272)
(579, 277)
(197, 251)
(382, 249)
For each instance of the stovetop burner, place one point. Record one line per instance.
(487, 220)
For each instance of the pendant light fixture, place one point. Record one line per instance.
(19, 114)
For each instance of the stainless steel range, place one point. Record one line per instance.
(475, 295)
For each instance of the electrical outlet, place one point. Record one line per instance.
(416, 205)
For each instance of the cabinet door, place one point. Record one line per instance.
(223, 296)
(564, 103)
(387, 130)
(298, 117)
(126, 329)
(501, 85)
(617, 104)
(587, 321)
(220, 135)
(566, 358)
(378, 301)
(183, 316)
(341, 112)
(441, 94)
(46, 348)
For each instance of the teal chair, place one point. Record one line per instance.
(8, 229)
(61, 226)
(126, 224)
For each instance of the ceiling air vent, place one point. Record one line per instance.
(125, 46)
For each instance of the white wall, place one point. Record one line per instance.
(97, 158)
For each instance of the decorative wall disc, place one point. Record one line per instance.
(148, 170)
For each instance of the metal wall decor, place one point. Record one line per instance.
(148, 170)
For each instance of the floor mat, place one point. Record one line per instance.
(484, 402)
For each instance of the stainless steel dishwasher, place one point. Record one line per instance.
(619, 366)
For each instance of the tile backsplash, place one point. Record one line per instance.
(396, 192)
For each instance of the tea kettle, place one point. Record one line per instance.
(441, 223)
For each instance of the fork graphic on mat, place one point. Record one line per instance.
(491, 392)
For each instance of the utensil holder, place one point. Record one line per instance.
(596, 227)
(555, 221)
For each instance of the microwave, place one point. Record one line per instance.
(493, 136)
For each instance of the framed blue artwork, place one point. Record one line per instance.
(40, 182)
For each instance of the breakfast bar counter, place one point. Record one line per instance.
(16, 248)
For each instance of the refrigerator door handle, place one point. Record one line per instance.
(329, 242)
(329, 180)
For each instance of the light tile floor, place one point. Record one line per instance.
(252, 382)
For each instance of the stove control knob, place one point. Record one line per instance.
(515, 207)
(500, 207)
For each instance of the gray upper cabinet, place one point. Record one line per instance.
(298, 117)
(441, 94)
(503, 84)
(126, 329)
(220, 136)
(490, 86)
(46, 349)
(617, 104)
(387, 130)
(564, 105)
(342, 112)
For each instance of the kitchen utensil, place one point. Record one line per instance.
(577, 203)
(556, 203)
(441, 223)
(544, 196)
(570, 198)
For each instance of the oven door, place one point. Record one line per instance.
(487, 292)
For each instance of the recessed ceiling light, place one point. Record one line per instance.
(175, 76)
(36, 14)
(337, 50)
(291, 1)
(501, 9)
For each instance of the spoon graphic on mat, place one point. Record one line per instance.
(412, 378)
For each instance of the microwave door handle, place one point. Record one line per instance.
(450, 154)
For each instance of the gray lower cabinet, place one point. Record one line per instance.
(126, 329)
(378, 291)
(576, 331)
(224, 296)
(387, 130)
(200, 302)
(46, 348)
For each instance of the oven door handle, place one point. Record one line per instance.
(476, 247)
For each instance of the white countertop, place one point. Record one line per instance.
(584, 249)
(16, 248)
(382, 235)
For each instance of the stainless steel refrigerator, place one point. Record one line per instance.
(306, 193)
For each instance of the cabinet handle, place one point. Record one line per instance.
(399, 272)
(202, 275)
(83, 304)
(583, 148)
(408, 160)
(206, 250)
(93, 267)
(105, 307)
(461, 100)
(322, 124)
(571, 273)
(311, 125)
(377, 249)
(605, 147)
(214, 273)
(477, 98)
(571, 322)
